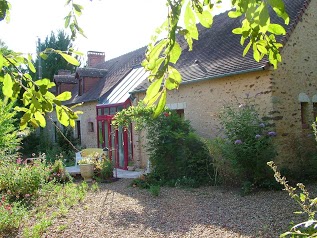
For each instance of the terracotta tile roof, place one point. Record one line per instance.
(218, 52)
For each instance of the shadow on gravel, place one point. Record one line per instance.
(208, 210)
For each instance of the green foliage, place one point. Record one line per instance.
(11, 216)
(176, 151)
(103, 169)
(140, 115)
(20, 181)
(160, 56)
(155, 190)
(36, 98)
(248, 144)
(9, 140)
(303, 199)
(54, 202)
(256, 28)
(54, 62)
(67, 141)
(58, 173)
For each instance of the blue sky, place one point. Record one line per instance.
(113, 27)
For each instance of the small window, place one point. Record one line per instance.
(78, 132)
(90, 127)
(99, 111)
(304, 114)
(112, 110)
(106, 111)
(315, 110)
(120, 108)
(180, 112)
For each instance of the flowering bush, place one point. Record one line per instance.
(86, 160)
(103, 169)
(11, 215)
(247, 144)
(58, 173)
(22, 180)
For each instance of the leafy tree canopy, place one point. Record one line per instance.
(58, 41)
(257, 34)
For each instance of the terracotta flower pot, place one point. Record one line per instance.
(87, 171)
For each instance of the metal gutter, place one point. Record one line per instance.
(215, 77)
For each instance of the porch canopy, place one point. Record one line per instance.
(118, 141)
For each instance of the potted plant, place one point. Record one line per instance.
(86, 165)
(131, 166)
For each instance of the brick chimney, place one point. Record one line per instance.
(95, 58)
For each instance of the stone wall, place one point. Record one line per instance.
(294, 82)
(202, 101)
(88, 130)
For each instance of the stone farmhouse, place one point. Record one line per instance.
(214, 74)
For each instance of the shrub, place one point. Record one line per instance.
(176, 151)
(58, 172)
(9, 139)
(308, 205)
(11, 216)
(21, 180)
(248, 144)
(103, 169)
(155, 190)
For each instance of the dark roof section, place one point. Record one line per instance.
(91, 72)
(69, 79)
(117, 68)
(218, 52)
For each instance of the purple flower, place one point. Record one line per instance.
(257, 136)
(238, 142)
(272, 133)
(262, 124)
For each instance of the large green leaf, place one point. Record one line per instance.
(70, 59)
(276, 29)
(174, 79)
(7, 85)
(190, 22)
(205, 18)
(152, 90)
(64, 96)
(1, 61)
(40, 118)
(175, 53)
(161, 105)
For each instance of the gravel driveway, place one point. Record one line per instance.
(118, 210)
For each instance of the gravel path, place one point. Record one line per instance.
(118, 210)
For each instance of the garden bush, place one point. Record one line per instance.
(18, 180)
(11, 216)
(58, 172)
(176, 152)
(247, 145)
(9, 139)
(103, 169)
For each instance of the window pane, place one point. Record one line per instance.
(99, 111)
(304, 114)
(112, 110)
(106, 111)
